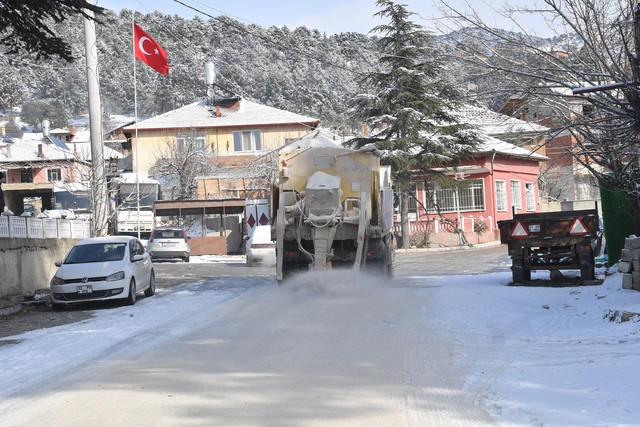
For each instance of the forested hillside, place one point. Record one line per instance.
(299, 70)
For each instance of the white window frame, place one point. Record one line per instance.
(530, 196)
(247, 140)
(516, 193)
(198, 141)
(471, 197)
(52, 171)
(502, 203)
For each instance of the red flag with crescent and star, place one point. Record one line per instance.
(149, 51)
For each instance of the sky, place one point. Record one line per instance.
(330, 16)
(552, 356)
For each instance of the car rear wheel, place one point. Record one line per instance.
(151, 290)
(185, 259)
(131, 299)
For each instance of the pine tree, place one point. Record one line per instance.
(410, 110)
(27, 25)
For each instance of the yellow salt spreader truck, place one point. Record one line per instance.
(332, 207)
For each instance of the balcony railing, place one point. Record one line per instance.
(449, 225)
(44, 228)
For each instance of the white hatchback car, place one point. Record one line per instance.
(260, 247)
(103, 268)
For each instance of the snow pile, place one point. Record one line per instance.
(547, 356)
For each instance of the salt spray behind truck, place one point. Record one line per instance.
(332, 207)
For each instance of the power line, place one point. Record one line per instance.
(269, 41)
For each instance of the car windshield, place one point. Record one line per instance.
(96, 252)
(168, 234)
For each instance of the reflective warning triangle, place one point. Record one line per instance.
(519, 230)
(578, 228)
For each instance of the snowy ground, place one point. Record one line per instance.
(538, 355)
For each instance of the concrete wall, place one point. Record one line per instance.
(27, 265)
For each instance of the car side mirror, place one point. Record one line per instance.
(137, 257)
(246, 237)
(58, 263)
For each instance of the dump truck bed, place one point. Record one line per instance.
(550, 228)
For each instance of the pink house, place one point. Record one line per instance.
(501, 178)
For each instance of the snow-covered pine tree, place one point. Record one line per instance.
(409, 106)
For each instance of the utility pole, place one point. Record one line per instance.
(98, 183)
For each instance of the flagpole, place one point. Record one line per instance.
(135, 109)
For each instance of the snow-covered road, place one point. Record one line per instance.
(336, 349)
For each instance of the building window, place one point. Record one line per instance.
(26, 175)
(470, 197)
(247, 140)
(516, 197)
(190, 142)
(54, 175)
(501, 196)
(412, 202)
(529, 196)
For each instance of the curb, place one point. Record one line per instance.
(11, 309)
(452, 248)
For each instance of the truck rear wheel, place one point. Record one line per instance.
(290, 269)
(587, 268)
(587, 273)
(520, 274)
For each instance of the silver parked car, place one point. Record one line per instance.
(169, 243)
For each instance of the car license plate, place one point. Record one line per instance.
(168, 244)
(85, 289)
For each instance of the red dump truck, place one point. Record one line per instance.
(566, 240)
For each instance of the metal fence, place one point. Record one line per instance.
(44, 228)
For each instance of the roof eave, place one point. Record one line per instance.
(313, 123)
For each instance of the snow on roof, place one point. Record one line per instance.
(82, 136)
(201, 115)
(132, 178)
(26, 150)
(493, 123)
(489, 144)
(69, 186)
(83, 151)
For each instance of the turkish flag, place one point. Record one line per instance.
(149, 51)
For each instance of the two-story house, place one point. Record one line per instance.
(234, 130)
(37, 165)
(563, 178)
(232, 134)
